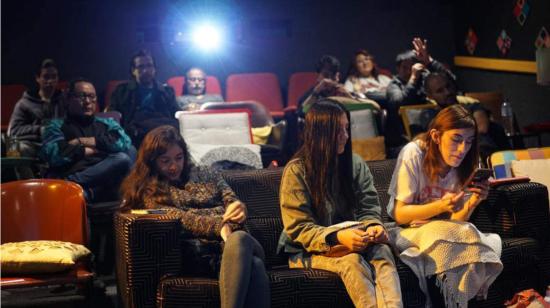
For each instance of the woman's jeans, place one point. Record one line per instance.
(243, 279)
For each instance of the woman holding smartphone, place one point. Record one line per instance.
(428, 201)
(324, 185)
(164, 178)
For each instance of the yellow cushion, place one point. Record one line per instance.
(370, 148)
(261, 134)
(39, 256)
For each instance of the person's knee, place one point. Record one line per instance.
(121, 160)
(239, 236)
(258, 265)
(383, 252)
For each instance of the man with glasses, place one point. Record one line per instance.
(143, 102)
(91, 151)
(34, 109)
(195, 91)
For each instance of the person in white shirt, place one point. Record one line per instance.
(432, 203)
(364, 78)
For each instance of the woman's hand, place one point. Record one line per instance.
(235, 212)
(353, 239)
(225, 232)
(480, 191)
(377, 234)
(451, 202)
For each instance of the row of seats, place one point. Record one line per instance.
(261, 87)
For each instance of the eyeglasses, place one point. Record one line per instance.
(84, 96)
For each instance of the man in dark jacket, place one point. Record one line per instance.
(406, 88)
(91, 151)
(35, 109)
(143, 102)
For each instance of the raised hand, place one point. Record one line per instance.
(421, 50)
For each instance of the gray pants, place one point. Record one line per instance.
(370, 277)
(243, 279)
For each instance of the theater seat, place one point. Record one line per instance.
(10, 95)
(260, 87)
(212, 85)
(111, 86)
(298, 84)
(45, 209)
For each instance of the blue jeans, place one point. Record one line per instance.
(243, 279)
(103, 179)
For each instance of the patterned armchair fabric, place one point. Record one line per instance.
(149, 253)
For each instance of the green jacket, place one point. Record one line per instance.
(302, 232)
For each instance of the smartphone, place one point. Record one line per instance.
(148, 211)
(478, 176)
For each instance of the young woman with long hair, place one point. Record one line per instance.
(430, 202)
(364, 79)
(164, 178)
(324, 185)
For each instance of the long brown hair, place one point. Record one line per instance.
(452, 117)
(319, 154)
(143, 180)
(353, 72)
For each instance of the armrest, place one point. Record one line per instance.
(515, 210)
(147, 248)
(278, 134)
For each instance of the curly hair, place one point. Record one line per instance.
(143, 181)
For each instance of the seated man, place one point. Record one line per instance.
(406, 87)
(35, 109)
(91, 151)
(143, 102)
(195, 91)
(441, 91)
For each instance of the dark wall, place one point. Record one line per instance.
(531, 102)
(94, 38)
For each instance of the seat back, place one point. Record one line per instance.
(259, 114)
(501, 161)
(43, 209)
(109, 89)
(215, 127)
(10, 95)
(260, 87)
(413, 115)
(491, 101)
(298, 84)
(212, 85)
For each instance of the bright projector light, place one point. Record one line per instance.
(206, 37)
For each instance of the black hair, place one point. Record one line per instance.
(330, 63)
(404, 56)
(46, 63)
(140, 53)
(73, 82)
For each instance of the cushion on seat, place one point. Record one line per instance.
(215, 128)
(34, 257)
